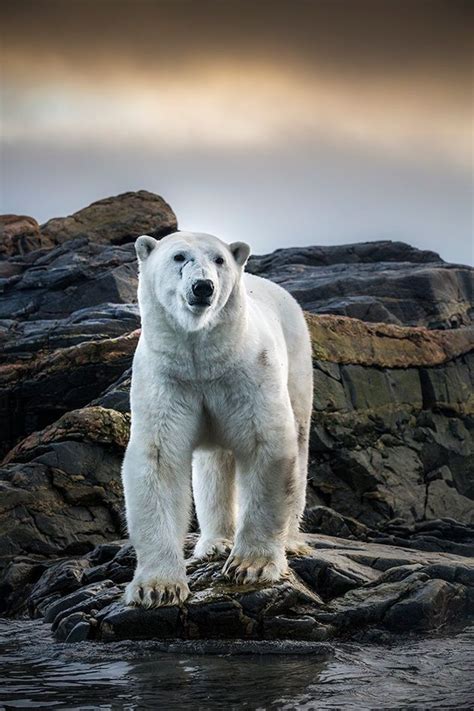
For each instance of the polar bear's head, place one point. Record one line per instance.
(190, 275)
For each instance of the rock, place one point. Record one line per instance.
(94, 424)
(442, 535)
(117, 396)
(321, 519)
(431, 535)
(21, 340)
(117, 569)
(77, 275)
(19, 235)
(342, 340)
(85, 597)
(16, 583)
(74, 628)
(342, 588)
(385, 444)
(36, 391)
(92, 265)
(427, 607)
(122, 622)
(57, 581)
(357, 253)
(60, 490)
(115, 220)
(382, 281)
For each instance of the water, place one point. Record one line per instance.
(434, 672)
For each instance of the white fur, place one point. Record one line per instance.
(221, 395)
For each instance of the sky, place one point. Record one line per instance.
(281, 123)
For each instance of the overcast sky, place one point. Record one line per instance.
(281, 123)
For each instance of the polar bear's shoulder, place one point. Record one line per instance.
(274, 308)
(271, 296)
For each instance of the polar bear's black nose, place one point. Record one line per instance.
(203, 288)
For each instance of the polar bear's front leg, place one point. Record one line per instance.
(266, 489)
(157, 488)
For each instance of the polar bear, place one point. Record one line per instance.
(221, 397)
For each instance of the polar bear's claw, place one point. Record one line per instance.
(298, 546)
(210, 548)
(257, 569)
(154, 593)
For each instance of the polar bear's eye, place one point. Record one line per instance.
(179, 257)
(219, 260)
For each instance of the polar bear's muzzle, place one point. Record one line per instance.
(202, 291)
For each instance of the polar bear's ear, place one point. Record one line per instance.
(240, 251)
(144, 246)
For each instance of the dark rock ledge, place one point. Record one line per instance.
(342, 589)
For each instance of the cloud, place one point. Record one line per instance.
(356, 111)
(390, 77)
(244, 104)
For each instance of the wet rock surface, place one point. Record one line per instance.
(341, 589)
(391, 450)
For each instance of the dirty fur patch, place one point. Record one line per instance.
(263, 358)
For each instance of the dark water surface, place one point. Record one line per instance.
(435, 672)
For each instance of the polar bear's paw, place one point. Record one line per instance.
(245, 569)
(298, 546)
(208, 548)
(152, 591)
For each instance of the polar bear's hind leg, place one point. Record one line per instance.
(295, 543)
(300, 379)
(214, 498)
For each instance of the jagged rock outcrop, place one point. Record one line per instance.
(22, 340)
(341, 588)
(392, 428)
(435, 535)
(77, 262)
(55, 283)
(115, 220)
(19, 234)
(60, 489)
(60, 297)
(37, 391)
(382, 281)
